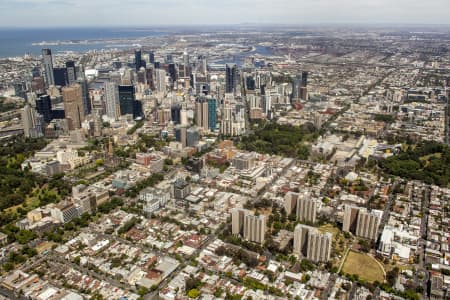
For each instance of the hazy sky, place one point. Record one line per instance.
(57, 13)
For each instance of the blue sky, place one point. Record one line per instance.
(75, 13)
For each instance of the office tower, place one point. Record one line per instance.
(192, 137)
(267, 104)
(304, 79)
(201, 113)
(231, 79)
(185, 58)
(35, 72)
(32, 122)
(226, 125)
(296, 84)
(290, 202)
(151, 57)
(306, 209)
(255, 228)
(183, 117)
(60, 76)
(350, 218)
(150, 80)
(141, 76)
(73, 105)
(310, 243)
(85, 95)
(175, 113)
(173, 72)
(160, 80)
(237, 220)
(38, 85)
(367, 225)
(163, 116)
(250, 83)
(180, 135)
(138, 59)
(71, 72)
(20, 89)
(47, 64)
(169, 59)
(44, 107)
(203, 64)
(112, 100)
(126, 99)
(137, 109)
(304, 93)
(212, 114)
(303, 87)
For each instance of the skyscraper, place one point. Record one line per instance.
(231, 78)
(151, 57)
(112, 100)
(201, 113)
(296, 84)
(126, 99)
(71, 72)
(212, 114)
(169, 58)
(303, 87)
(150, 78)
(181, 135)
(173, 73)
(73, 105)
(60, 76)
(44, 107)
(192, 137)
(160, 80)
(250, 83)
(32, 122)
(304, 79)
(47, 64)
(175, 112)
(203, 64)
(138, 59)
(85, 95)
(185, 58)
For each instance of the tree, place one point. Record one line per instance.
(392, 275)
(194, 293)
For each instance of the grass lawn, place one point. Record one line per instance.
(340, 243)
(329, 228)
(364, 266)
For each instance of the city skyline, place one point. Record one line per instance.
(38, 13)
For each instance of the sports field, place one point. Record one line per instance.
(363, 265)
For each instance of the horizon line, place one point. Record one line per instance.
(245, 24)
